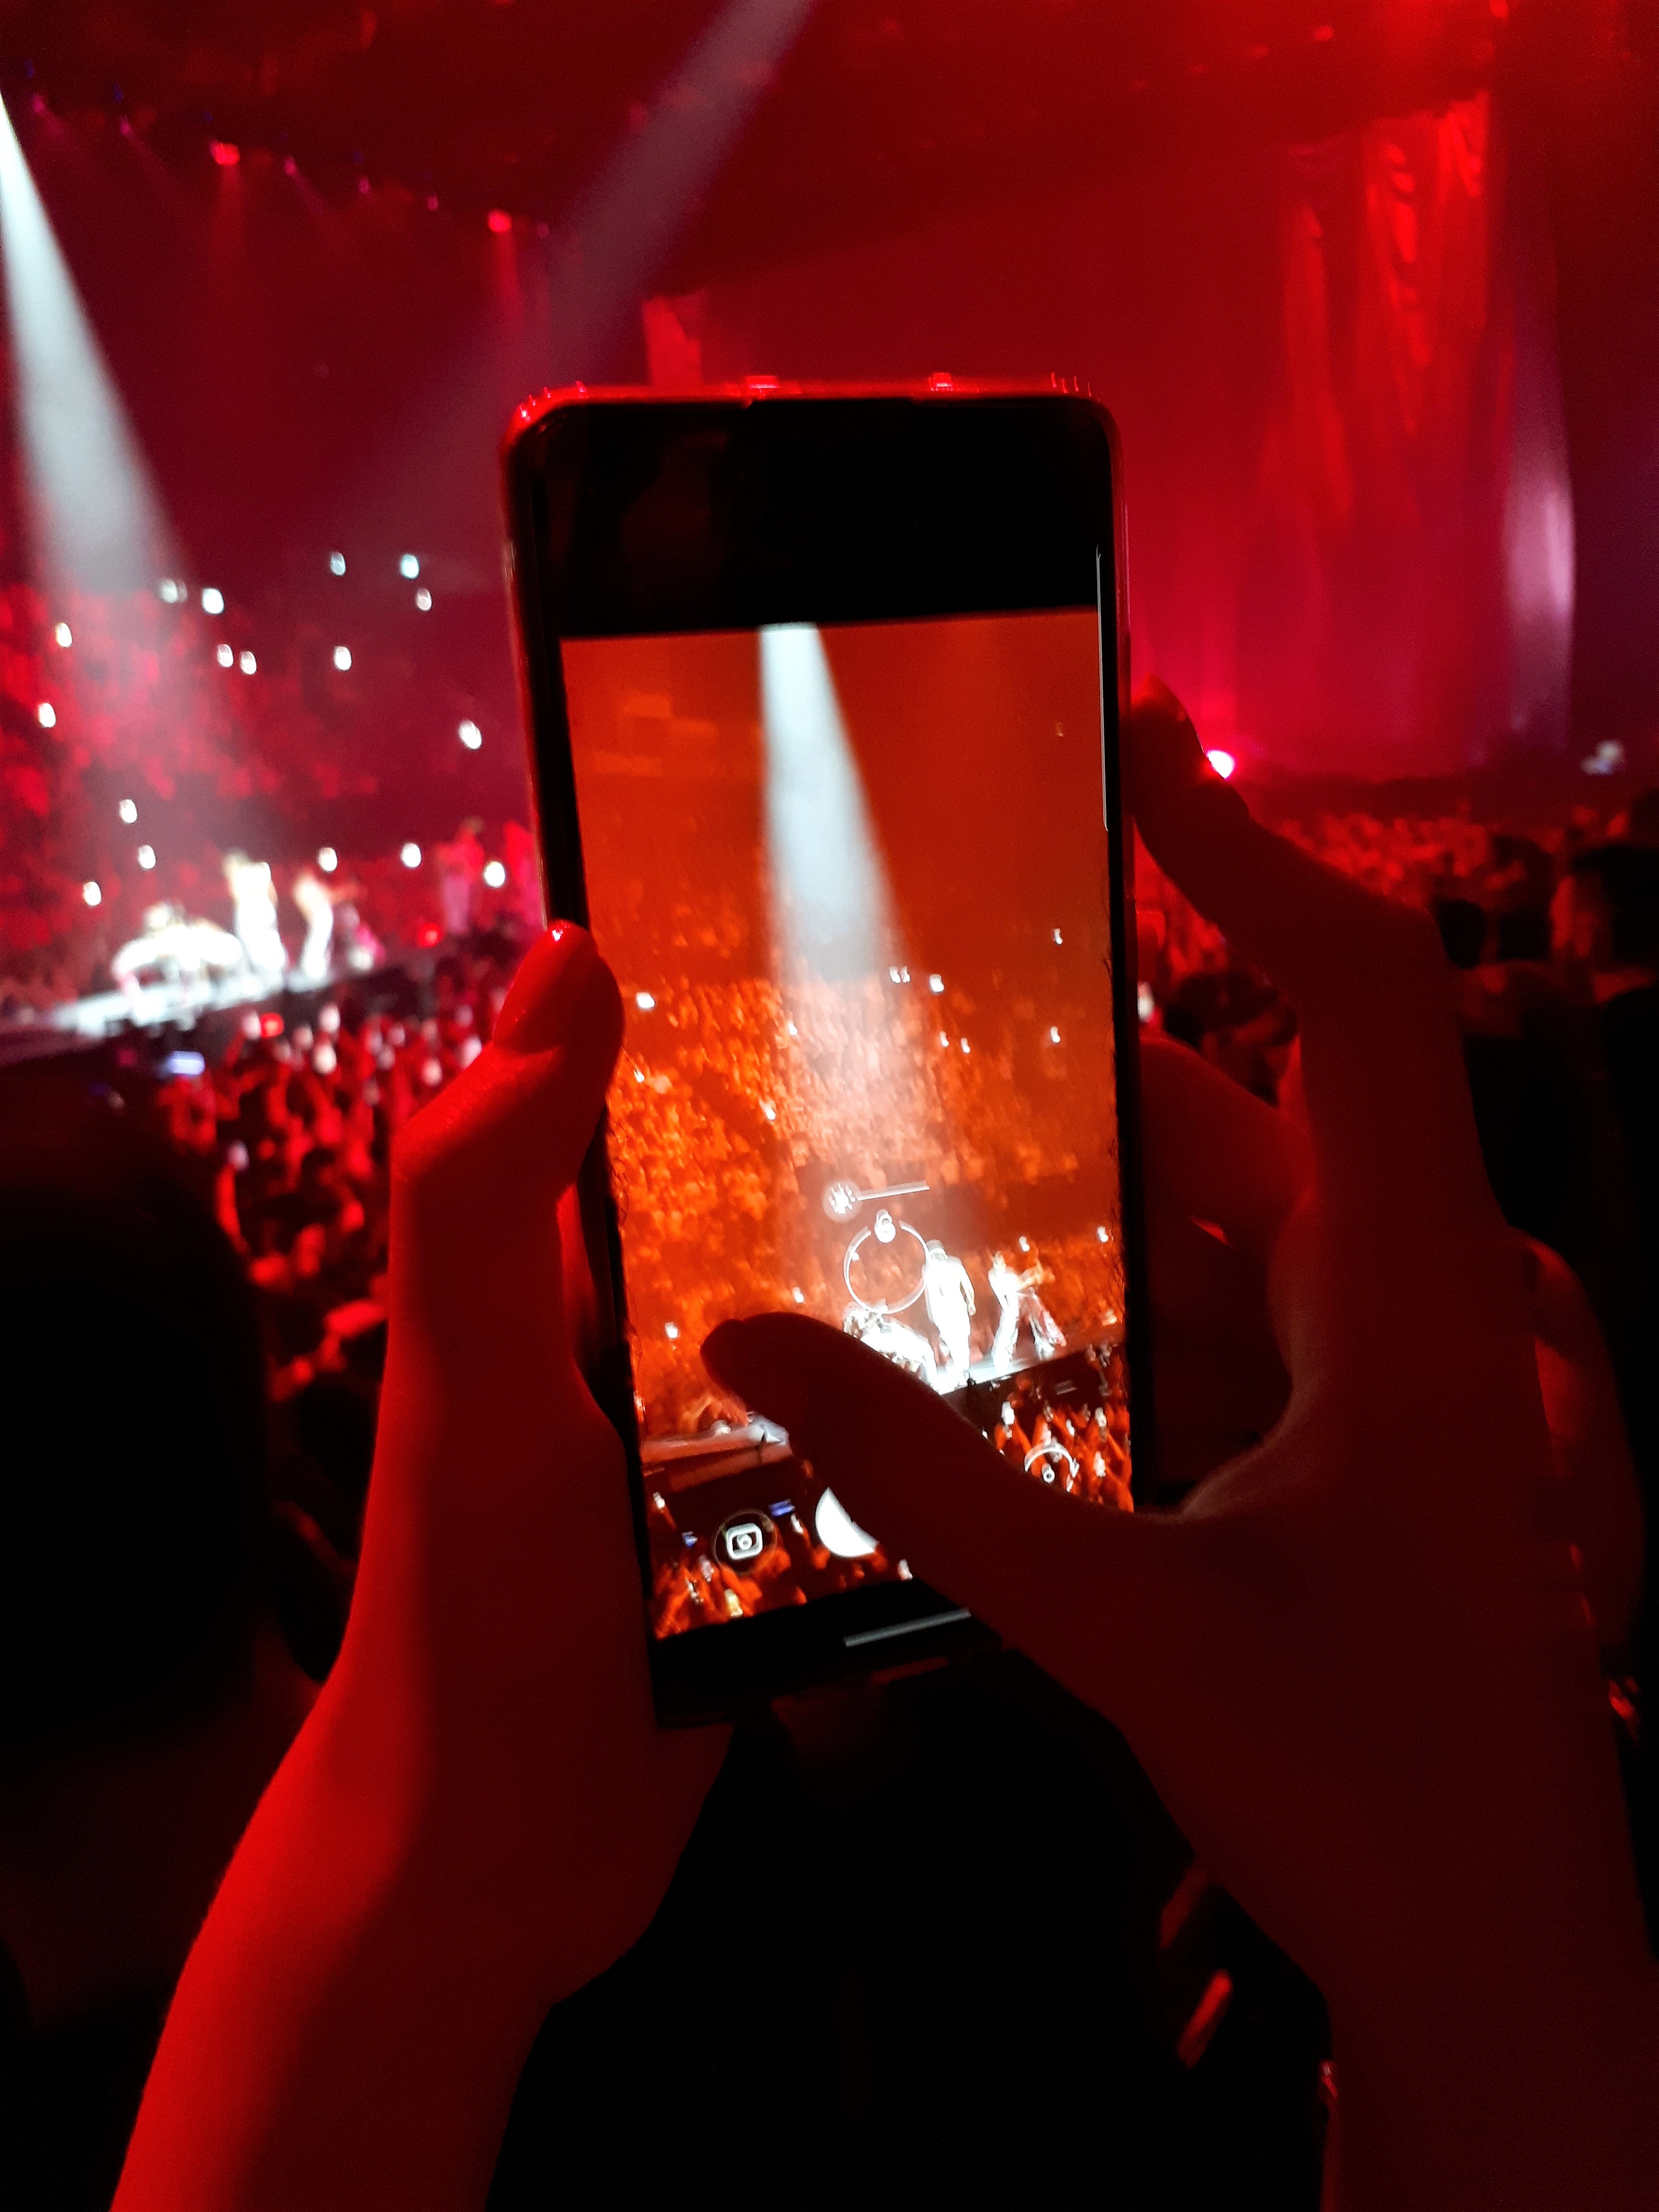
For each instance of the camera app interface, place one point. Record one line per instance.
(853, 882)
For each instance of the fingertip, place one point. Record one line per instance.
(562, 990)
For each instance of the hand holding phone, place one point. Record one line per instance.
(1357, 1663)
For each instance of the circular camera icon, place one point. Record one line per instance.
(743, 1542)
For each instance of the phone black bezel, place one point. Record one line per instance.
(826, 506)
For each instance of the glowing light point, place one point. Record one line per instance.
(226, 155)
(1145, 1004)
(64, 635)
(495, 875)
(1104, 1235)
(146, 856)
(213, 600)
(169, 591)
(1059, 939)
(799, 1295)
(966, 1046)
(1222, 761)
(423, 600)
(93, 893)
(409, 566)
(644, 1001)
(639, 1075)
(336, 564)
(327, 859)
(246, 663)
(892, 974)
(225, 656)
(409, 855)
(936, 984)
(471, 736)
(769, 1109)
(1054, 1036)
(500, 221)
(343, 658)
(943, 1039)
(46, 715)
(673, 1332)
(128, 810)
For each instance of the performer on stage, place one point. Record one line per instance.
(950, 1296)
(902, 1345)
(310, 896)
(255, 897)
(183, 948)
(1016, 1295)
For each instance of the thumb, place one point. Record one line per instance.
(1087, 1593)
(477, 1176)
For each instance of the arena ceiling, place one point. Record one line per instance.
(879, 114)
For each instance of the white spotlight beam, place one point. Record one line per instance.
(621, 229)
(829, 886)
(98, 521)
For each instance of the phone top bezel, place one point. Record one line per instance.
(1039, 524)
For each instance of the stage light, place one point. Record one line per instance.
(290, 166)
(672, 1331)
(408, 566)
(424, 599)
(799, 1295)
(769, 1109)
(966, 1047)
(644, 1001)
(213, 601)
(936, 984)
(1054, 1036)
(170, 590)
(246, 663)
(471, 736)
(500, 221)
(224, 655)
(128, 811)
(1222, 761)
(226, 155)
(411, 855)
(343, 658)
(46, 715)
(1104, 1235)
(146, 856)
(495, 875)
(64, 635)
(93, 893)
(336, 564)
(327, 858)
(1059, 939)
(1146, 1004)
(944, 1039)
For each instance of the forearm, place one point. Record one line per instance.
(343, 2033)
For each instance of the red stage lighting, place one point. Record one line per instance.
(224, 153)
(270, 1025)
(428, 934)
(500, 221)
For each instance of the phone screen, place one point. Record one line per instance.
(854, 884)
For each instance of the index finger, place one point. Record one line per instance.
(1397, 1154)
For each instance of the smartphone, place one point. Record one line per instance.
(823, 691)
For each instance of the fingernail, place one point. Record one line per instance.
(556, 972)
